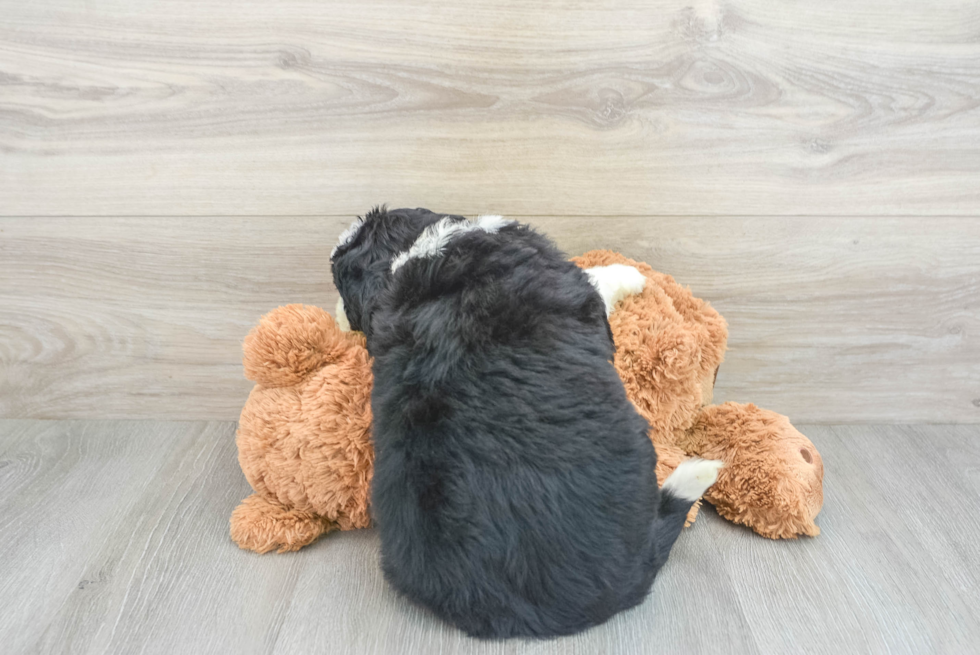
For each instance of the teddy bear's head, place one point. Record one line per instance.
(773, 475)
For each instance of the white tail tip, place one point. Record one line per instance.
(692, 478)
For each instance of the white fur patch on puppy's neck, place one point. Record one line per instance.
(347, 235)
(435, 237)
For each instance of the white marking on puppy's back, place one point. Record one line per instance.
(347, 235)
(615, 282)
(431, 242)
(692, 478)
(434, 238)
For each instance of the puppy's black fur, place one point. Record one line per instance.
(514, 483)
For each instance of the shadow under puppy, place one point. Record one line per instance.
(514, 484)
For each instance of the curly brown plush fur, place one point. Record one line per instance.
(669, 346)
(773, 476)
(304, 434)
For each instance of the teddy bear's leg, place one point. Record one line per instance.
(261, 524)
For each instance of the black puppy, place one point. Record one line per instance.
(514, 483)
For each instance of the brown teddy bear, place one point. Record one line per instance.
(669, 346)
(304, 433)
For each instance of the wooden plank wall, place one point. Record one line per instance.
(170, 170)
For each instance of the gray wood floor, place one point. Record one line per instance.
(114, 539)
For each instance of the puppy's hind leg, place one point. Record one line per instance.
(615, 282)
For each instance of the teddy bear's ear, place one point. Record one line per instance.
(291, 342)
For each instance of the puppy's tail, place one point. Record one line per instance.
(681, 490)
(688, 482)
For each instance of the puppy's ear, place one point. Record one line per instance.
(347, 236)
(352, 261)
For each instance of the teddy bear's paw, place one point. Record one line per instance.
(692, 478)
(262, 525)
(615, 282)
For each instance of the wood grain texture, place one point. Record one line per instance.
(120, 545)
(182, 107)
(837, 319)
